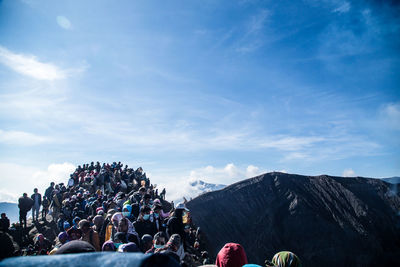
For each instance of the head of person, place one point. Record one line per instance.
(25, 195)
(123, 225)
(39, 238)
(174, 242)
(76, 221)
(108, 246)
(116, 217)
(146, 242)
(159, 240)
(35, 190)
(142, 191)
(66, 226)
(52, 184)
(284, 259)
(98, 221)
(120, 238)
(63, 237)
(127, 210)
(146, 198)
(3, 215)
(84, 225)
(74, 234)
(231, 254)
(145, 212)
(180, 210)
(157, 211)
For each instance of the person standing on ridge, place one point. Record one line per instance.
(24, 204)
(49, 191)
(45, 207)
(4, 223)
(37, 201)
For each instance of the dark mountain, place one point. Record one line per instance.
(392, 180)
(325, 220)
(11, 209)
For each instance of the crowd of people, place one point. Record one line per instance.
(112, 207)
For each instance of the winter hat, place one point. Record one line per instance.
(66, 225)
(174, 240)
(231, 254)
(285, 259)
(181, 206)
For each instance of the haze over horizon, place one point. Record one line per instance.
(211, 90)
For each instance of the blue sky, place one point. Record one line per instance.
(217, 90)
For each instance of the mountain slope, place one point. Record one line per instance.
(327, 221)
(392, 180)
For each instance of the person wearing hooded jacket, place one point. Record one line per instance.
(37, 202)
(123, 235)
(231, 255)
(144, 225)
(284, 259)
(127, 212)
(89, 235)
(175, 224)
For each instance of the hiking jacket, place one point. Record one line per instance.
(49, 192)
(39, 198)
(93, 238)
(231, 255)
(143, 227)
(25, 204)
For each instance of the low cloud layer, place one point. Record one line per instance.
(23, 179)
(179, 187)
(348, 173)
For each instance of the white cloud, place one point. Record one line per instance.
(179, 186)
(188, 188)
(20, 179)
(6, 196)
(348, 173)
(252, 171)
(343, 8)
(58, 173)
(225, 175)
(30, 66)
(63, 22)
(22, 138)
(391, 115)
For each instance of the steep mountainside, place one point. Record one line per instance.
(327, 221)
(392, 180)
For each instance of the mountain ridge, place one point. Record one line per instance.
(269, 212)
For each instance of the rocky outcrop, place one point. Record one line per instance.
(327, 221)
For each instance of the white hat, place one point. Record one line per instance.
(181, 206)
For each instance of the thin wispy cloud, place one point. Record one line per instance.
(252, 38)
(21, 138)
(391, 115)
(262, 86)
(343, 8)
(30, 66)
(64, 23)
